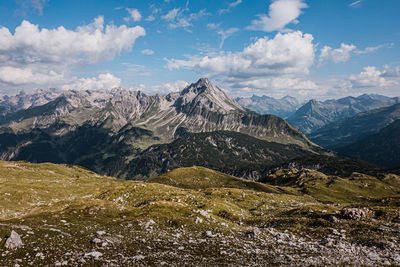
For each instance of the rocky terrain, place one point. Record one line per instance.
(69, 216)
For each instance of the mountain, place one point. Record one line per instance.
(346, 131)
(382, 148)
(283, 107)
(316, 114)
(106, 130)
(232, 153)
(10, 104)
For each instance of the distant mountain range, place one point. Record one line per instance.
(372, 136)
(283, 107)
(316, 114)
(381, 148)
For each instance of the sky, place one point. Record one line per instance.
(307, 49)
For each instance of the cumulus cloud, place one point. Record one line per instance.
(27, 78)
(33, 56)
(372, 77)
(341, 54)
(345, 51)
(134, 15)
(14, 76)
(89, 43)
(290, 53)
(281, 13)
(230, 7)
(274, 65)
(103, 81)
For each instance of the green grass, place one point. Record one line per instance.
(58, 210)
(202, 178)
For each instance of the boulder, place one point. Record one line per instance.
(14, 241)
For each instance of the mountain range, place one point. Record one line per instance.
(316, 114)
(114, 131)
(372, 136)
(283, 107)
(131, 135)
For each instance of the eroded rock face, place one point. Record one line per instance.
(356, 213)
(14, 241)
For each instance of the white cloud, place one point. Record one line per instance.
(28, 78)
(226, 34)
(341, 54)
(134, 15)
(372, 49)
(230, 7)
(31, 5)
(372, 77)
(33, 56)
(89, 43)
(103, 81)
(274, 65)
(355, 3)
(150, 18)
(147, 52)
(165, 88)
(345, 51)
(281, 13)
(178, 19)
(13, 76)
(171, 15)
(213, 26)
(290, 53)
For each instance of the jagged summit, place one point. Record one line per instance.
(204, 94)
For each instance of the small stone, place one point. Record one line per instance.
(149, 223)
(256, 231)
(14, 241)
(208, 234)
(94, 254)
(96, 240)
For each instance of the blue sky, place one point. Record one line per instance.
(307, 49)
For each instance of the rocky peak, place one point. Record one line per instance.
(203, 94)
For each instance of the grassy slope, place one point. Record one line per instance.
(58, 210)
(357, 188)
(202, 178)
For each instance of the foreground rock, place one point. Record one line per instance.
(14, 241)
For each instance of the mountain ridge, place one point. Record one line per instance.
(316, 114)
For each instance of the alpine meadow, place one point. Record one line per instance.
(199, 133)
